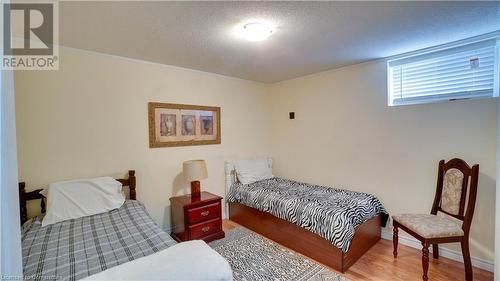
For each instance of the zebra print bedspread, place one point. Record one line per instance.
(74, 249)
(331, 213)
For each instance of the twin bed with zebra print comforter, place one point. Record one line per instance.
(77, 248)
(331, 213)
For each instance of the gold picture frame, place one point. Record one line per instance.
(183, 125)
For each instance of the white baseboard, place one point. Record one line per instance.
(443, 252)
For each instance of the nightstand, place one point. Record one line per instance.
(196, 218)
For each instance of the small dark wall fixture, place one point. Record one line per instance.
(291, 115)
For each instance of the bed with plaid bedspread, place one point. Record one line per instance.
(78, 248)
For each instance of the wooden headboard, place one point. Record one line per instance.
(35, 194)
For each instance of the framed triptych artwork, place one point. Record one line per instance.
(183, 125)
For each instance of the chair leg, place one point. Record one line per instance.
(435, 251)
(425, 260)
(395, 241)
(467, 262)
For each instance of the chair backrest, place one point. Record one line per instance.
(456, 184)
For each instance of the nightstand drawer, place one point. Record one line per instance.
(196, 217)
(204, 213)
(203, 229)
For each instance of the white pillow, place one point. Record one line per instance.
(80, 198)
(249, 171)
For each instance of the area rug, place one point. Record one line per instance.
(253, 257)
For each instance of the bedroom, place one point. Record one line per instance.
(313, 96)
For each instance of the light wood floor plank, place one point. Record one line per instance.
(379, 265)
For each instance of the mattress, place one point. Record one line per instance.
(329, 212)
(78, 248)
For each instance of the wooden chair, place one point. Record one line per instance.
(452, 191)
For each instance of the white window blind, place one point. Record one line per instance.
(459, 72)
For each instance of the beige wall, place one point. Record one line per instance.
(90, 119)
(497, 210)
(345, 135)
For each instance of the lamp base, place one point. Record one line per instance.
(195, 189)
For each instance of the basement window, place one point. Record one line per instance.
(453, 72)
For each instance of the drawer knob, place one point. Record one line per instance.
(205, 229)
(205, 213)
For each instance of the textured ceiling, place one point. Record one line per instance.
(310, 36)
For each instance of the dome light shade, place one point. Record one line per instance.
(256, 31)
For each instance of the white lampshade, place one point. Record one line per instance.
(194, 170)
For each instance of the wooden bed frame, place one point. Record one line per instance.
(35, 195)
(301, 240)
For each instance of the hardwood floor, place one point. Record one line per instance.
(379, 265)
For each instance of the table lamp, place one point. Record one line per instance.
(194, 171)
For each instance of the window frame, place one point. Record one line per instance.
(446, 49)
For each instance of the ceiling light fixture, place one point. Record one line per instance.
(256, 31)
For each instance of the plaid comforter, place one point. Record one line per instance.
(78, 248)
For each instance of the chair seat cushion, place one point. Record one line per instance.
(430, 226)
